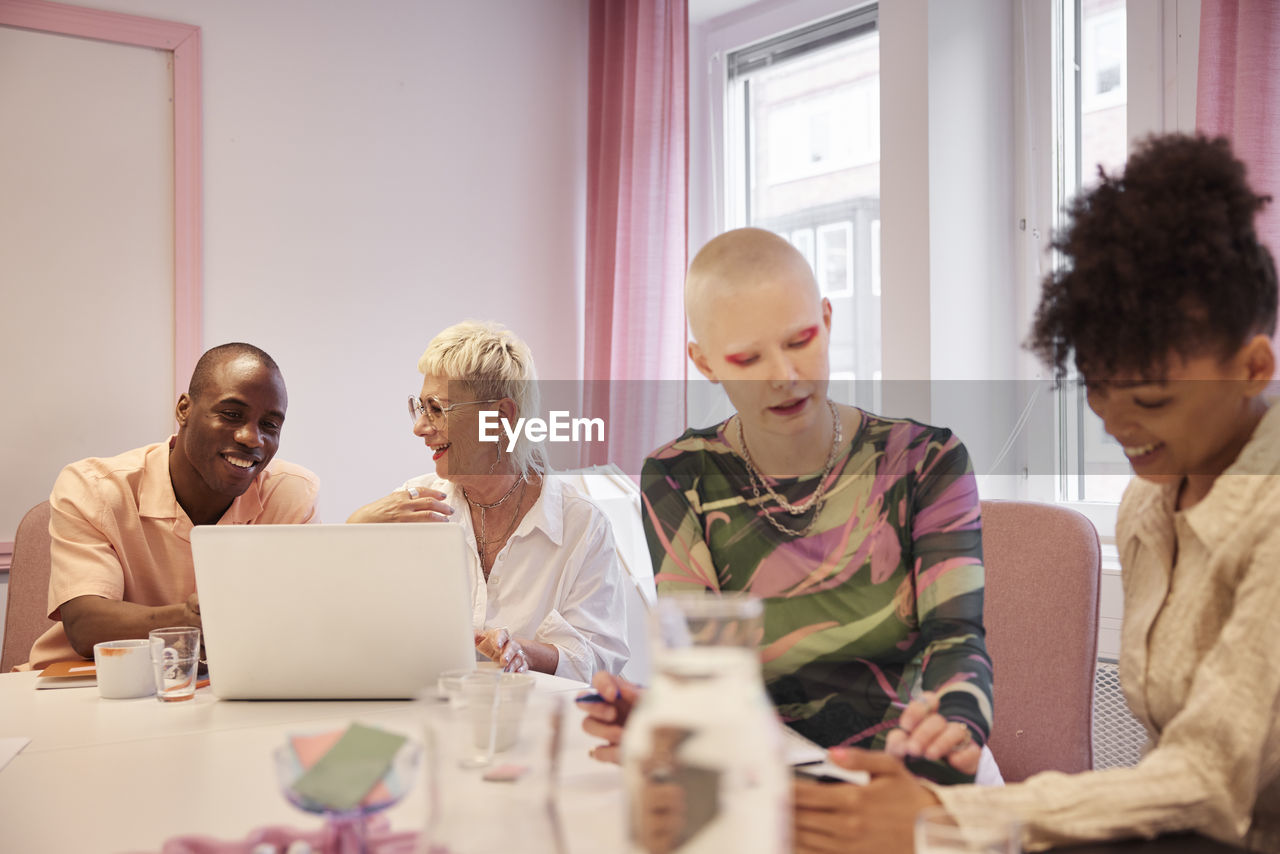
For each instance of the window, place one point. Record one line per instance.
(1092, 132)
(1102, 56)
(802, 159)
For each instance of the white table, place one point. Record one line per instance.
(125, 775)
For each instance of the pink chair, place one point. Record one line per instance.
(1043, 567)
(26, 614)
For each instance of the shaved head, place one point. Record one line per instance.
(738, 261)
(203, 374)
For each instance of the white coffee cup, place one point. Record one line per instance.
(124, 669)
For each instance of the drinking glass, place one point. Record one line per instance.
(175, 657)
(938, 832)
(492, 774)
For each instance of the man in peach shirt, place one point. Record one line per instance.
(121, 551)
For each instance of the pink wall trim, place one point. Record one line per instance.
(183, 40)
(6, 556)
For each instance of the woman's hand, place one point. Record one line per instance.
(498, 645)
(605, 719)
(878, 818)
(415, 504)
(921, 731)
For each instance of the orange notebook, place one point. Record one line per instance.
(77, 674)
(68, 674)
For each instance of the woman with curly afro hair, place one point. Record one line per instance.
(1166, 305)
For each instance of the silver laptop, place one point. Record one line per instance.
(332, 611)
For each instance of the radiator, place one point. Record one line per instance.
(1118, 738)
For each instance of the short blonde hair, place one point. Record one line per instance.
(493, 363)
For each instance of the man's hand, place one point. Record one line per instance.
(878, 818)
(91, 619)
(921, 731)
(191, 612)
(415, 504)
(606, 719)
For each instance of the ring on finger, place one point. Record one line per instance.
(413, 492)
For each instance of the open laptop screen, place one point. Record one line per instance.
(332, 611)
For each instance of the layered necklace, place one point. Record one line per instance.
(815, 501)
(482, 541)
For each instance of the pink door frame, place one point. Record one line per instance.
(183, 42)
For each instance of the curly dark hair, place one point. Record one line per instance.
(1161, 259)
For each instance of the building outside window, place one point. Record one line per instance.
(802, 159)
(1093, 132)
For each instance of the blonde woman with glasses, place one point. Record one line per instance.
(546, 582)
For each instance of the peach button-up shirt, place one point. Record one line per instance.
(118, 532)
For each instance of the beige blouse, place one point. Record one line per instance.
(1200, 667)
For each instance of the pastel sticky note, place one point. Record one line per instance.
(508, 773)
(310, 748)
(341, 778)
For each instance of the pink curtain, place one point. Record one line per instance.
(1238, 93)
(637, 203)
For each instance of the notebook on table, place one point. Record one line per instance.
(332, 611)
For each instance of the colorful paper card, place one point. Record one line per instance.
(345, 775)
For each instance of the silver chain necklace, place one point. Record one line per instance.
(814, 501)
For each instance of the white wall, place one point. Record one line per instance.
(372, 173)
(87, 248)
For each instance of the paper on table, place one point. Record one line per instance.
(68, 674)
(798, 749)
(11, 747)
(344, 775)
(310, 748)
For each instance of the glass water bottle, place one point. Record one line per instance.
(702, 752)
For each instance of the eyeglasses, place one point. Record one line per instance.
(434, 411)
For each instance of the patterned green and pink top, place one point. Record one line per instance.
(883, 597)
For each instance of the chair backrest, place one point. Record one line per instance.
(26, 615)
(619, 497)
(1043, 567)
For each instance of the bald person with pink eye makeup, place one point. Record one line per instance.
(861, 533)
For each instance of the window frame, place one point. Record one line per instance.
(1161, 64)
(1161, 44)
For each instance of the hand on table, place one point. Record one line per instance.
(415, 504)
(878, 818)
(606, 719)
(191, 613)
(921, 731)
(191, 617)
(498, 645)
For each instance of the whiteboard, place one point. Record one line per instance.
(86, 256)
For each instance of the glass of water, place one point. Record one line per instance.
(175, 658)
(996, 832)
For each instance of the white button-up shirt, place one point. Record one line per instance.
(556, 580)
